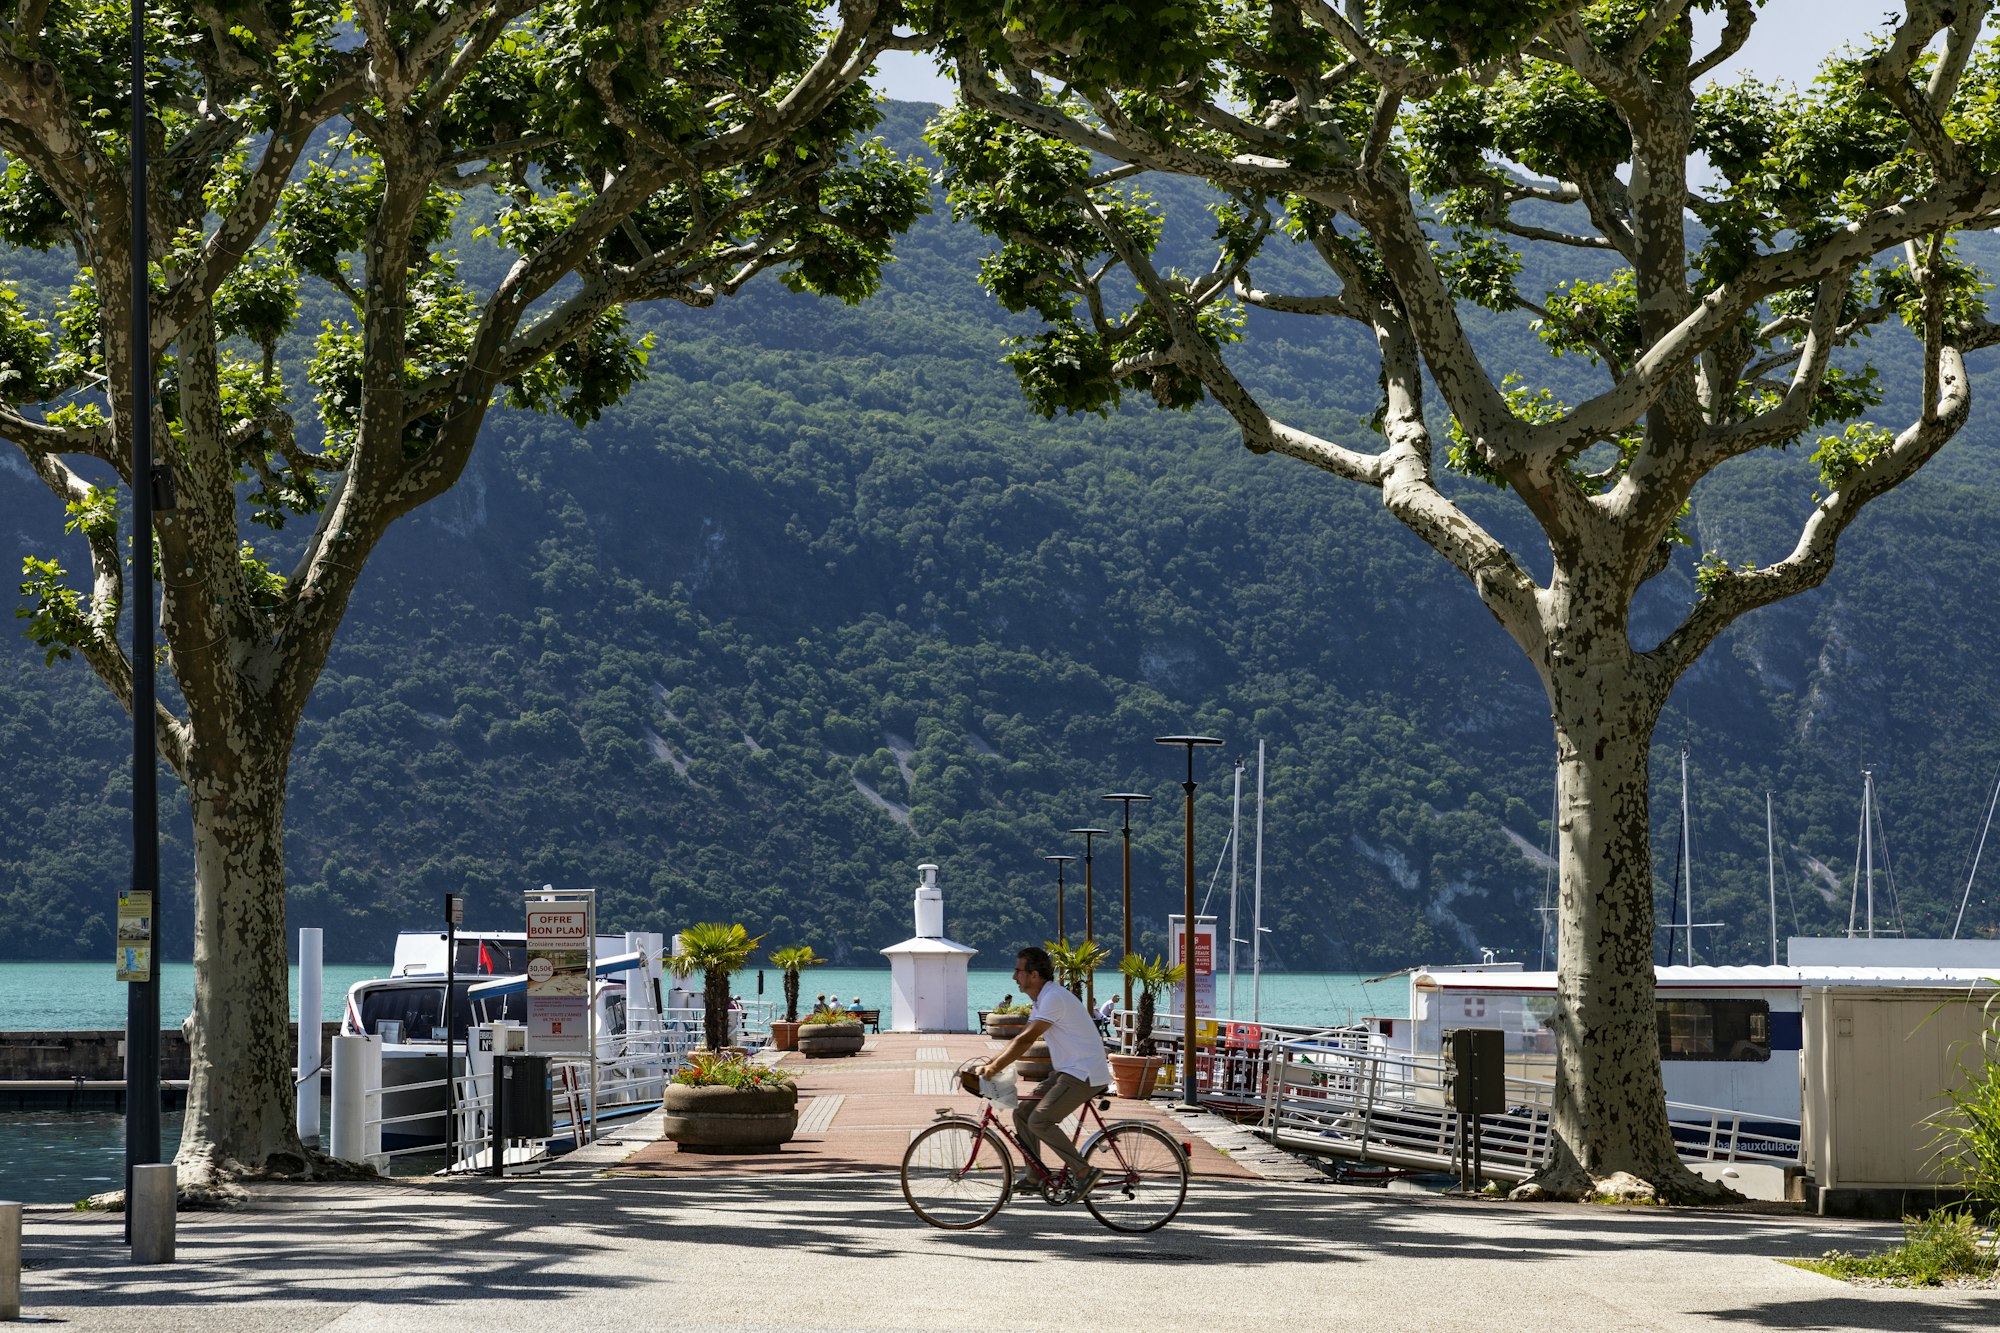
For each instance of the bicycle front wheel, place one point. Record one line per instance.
(1145, 1178)
(957, 1174)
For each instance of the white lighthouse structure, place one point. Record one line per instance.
(927, 972)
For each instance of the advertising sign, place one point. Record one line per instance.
(135, 936)
(559, 979)
(1203, 970)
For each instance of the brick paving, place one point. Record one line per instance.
(880, 1107)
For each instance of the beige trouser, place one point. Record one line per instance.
(1055, 1097)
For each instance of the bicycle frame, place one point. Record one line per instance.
(990, 1119)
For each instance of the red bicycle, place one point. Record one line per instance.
(958, 1173)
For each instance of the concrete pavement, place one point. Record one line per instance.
(585, 1246)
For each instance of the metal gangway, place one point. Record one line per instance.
(1345, 1092)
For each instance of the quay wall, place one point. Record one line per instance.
(100, 1056)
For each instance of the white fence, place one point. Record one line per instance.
(632, 1071)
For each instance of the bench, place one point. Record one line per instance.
(870, 1018)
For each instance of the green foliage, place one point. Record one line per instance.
(792, 960)
(1967, 1142)
(710, 946)
(708, 1069)
(1075, 961)
(1840, 456)
(1939, 1247)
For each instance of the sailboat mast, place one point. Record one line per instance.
(1235, 866)
(1687, 858)
(1868, 842)
(1771, 869)
(1977, 852)
(1257, 901)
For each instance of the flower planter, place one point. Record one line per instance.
(1135, 1075)
(1034, 1066)
(818, 1040)
(784, 1036)
(1005, 1027)
(717, 1118)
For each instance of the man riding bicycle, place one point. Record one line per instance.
(1079, 1070)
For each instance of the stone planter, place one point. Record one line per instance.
(704, 1119)
(1033, 1067)
(818, 1040)
(1005, 1027)
(1135, 1075)
(784, 1036)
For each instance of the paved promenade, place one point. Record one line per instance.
(628, 1235)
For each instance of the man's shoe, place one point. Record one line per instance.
(1027, 1182)
(1089, 1181)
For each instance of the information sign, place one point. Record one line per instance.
(135, 936)
(1204, 961)
(558, 948)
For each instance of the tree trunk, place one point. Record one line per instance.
(1609, 1115)
(1143, 1025)
(791, 995)
(241, 1099)
(715, 1007)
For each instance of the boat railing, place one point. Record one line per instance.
(1328, 1093)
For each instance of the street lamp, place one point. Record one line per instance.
(1127, 797)
(1060, 861)
(142, 997)
(1089, 911)
(1187, 915)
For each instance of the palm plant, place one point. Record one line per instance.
(1153, 978)
(717, 951)
(1075, 962)
(794, 960)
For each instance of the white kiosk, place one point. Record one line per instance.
(927, 973)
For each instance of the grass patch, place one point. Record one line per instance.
(1946, 1246)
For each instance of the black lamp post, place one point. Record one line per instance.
(1128, 797)
(1089, 912)
(142, 998)
(1187, 917)
(1060, 861)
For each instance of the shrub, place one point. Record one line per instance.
(831, 1016)
(1936, 1249)
(706, 1069)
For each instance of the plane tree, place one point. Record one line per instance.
(1744, 241)
(333, 156)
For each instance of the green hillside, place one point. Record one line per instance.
(822, 601)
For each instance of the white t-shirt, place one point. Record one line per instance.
(1075, 1047)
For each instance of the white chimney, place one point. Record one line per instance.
(930, 905)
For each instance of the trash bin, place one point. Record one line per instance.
(524, 1106)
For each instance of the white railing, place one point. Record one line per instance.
(632, 1072)
(1331, 1094)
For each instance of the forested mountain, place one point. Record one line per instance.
(822, 600)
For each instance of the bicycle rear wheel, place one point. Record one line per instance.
(1145, 1178)
(957, 1174)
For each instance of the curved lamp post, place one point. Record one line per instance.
(1089, 911)
(1187, 915)
(1060, 861)
(1126, 919)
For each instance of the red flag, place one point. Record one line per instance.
(485, 959)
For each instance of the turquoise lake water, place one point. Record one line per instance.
(58, 1157)
(84, 996)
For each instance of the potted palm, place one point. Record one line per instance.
(1076, 963)
(716, 951)
(829, 1032)
(721, 1102)
(792, 960)
(1135, 1074)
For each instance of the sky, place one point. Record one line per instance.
(1789, 41)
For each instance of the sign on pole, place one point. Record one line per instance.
(558, 948)
(1204, 959)
(135, 936)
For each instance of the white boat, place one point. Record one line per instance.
(407, 1010)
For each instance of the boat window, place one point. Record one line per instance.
(418, 1010)
(1714, 1029)
(490, 958)
(614, 1016)
(513, 1008)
